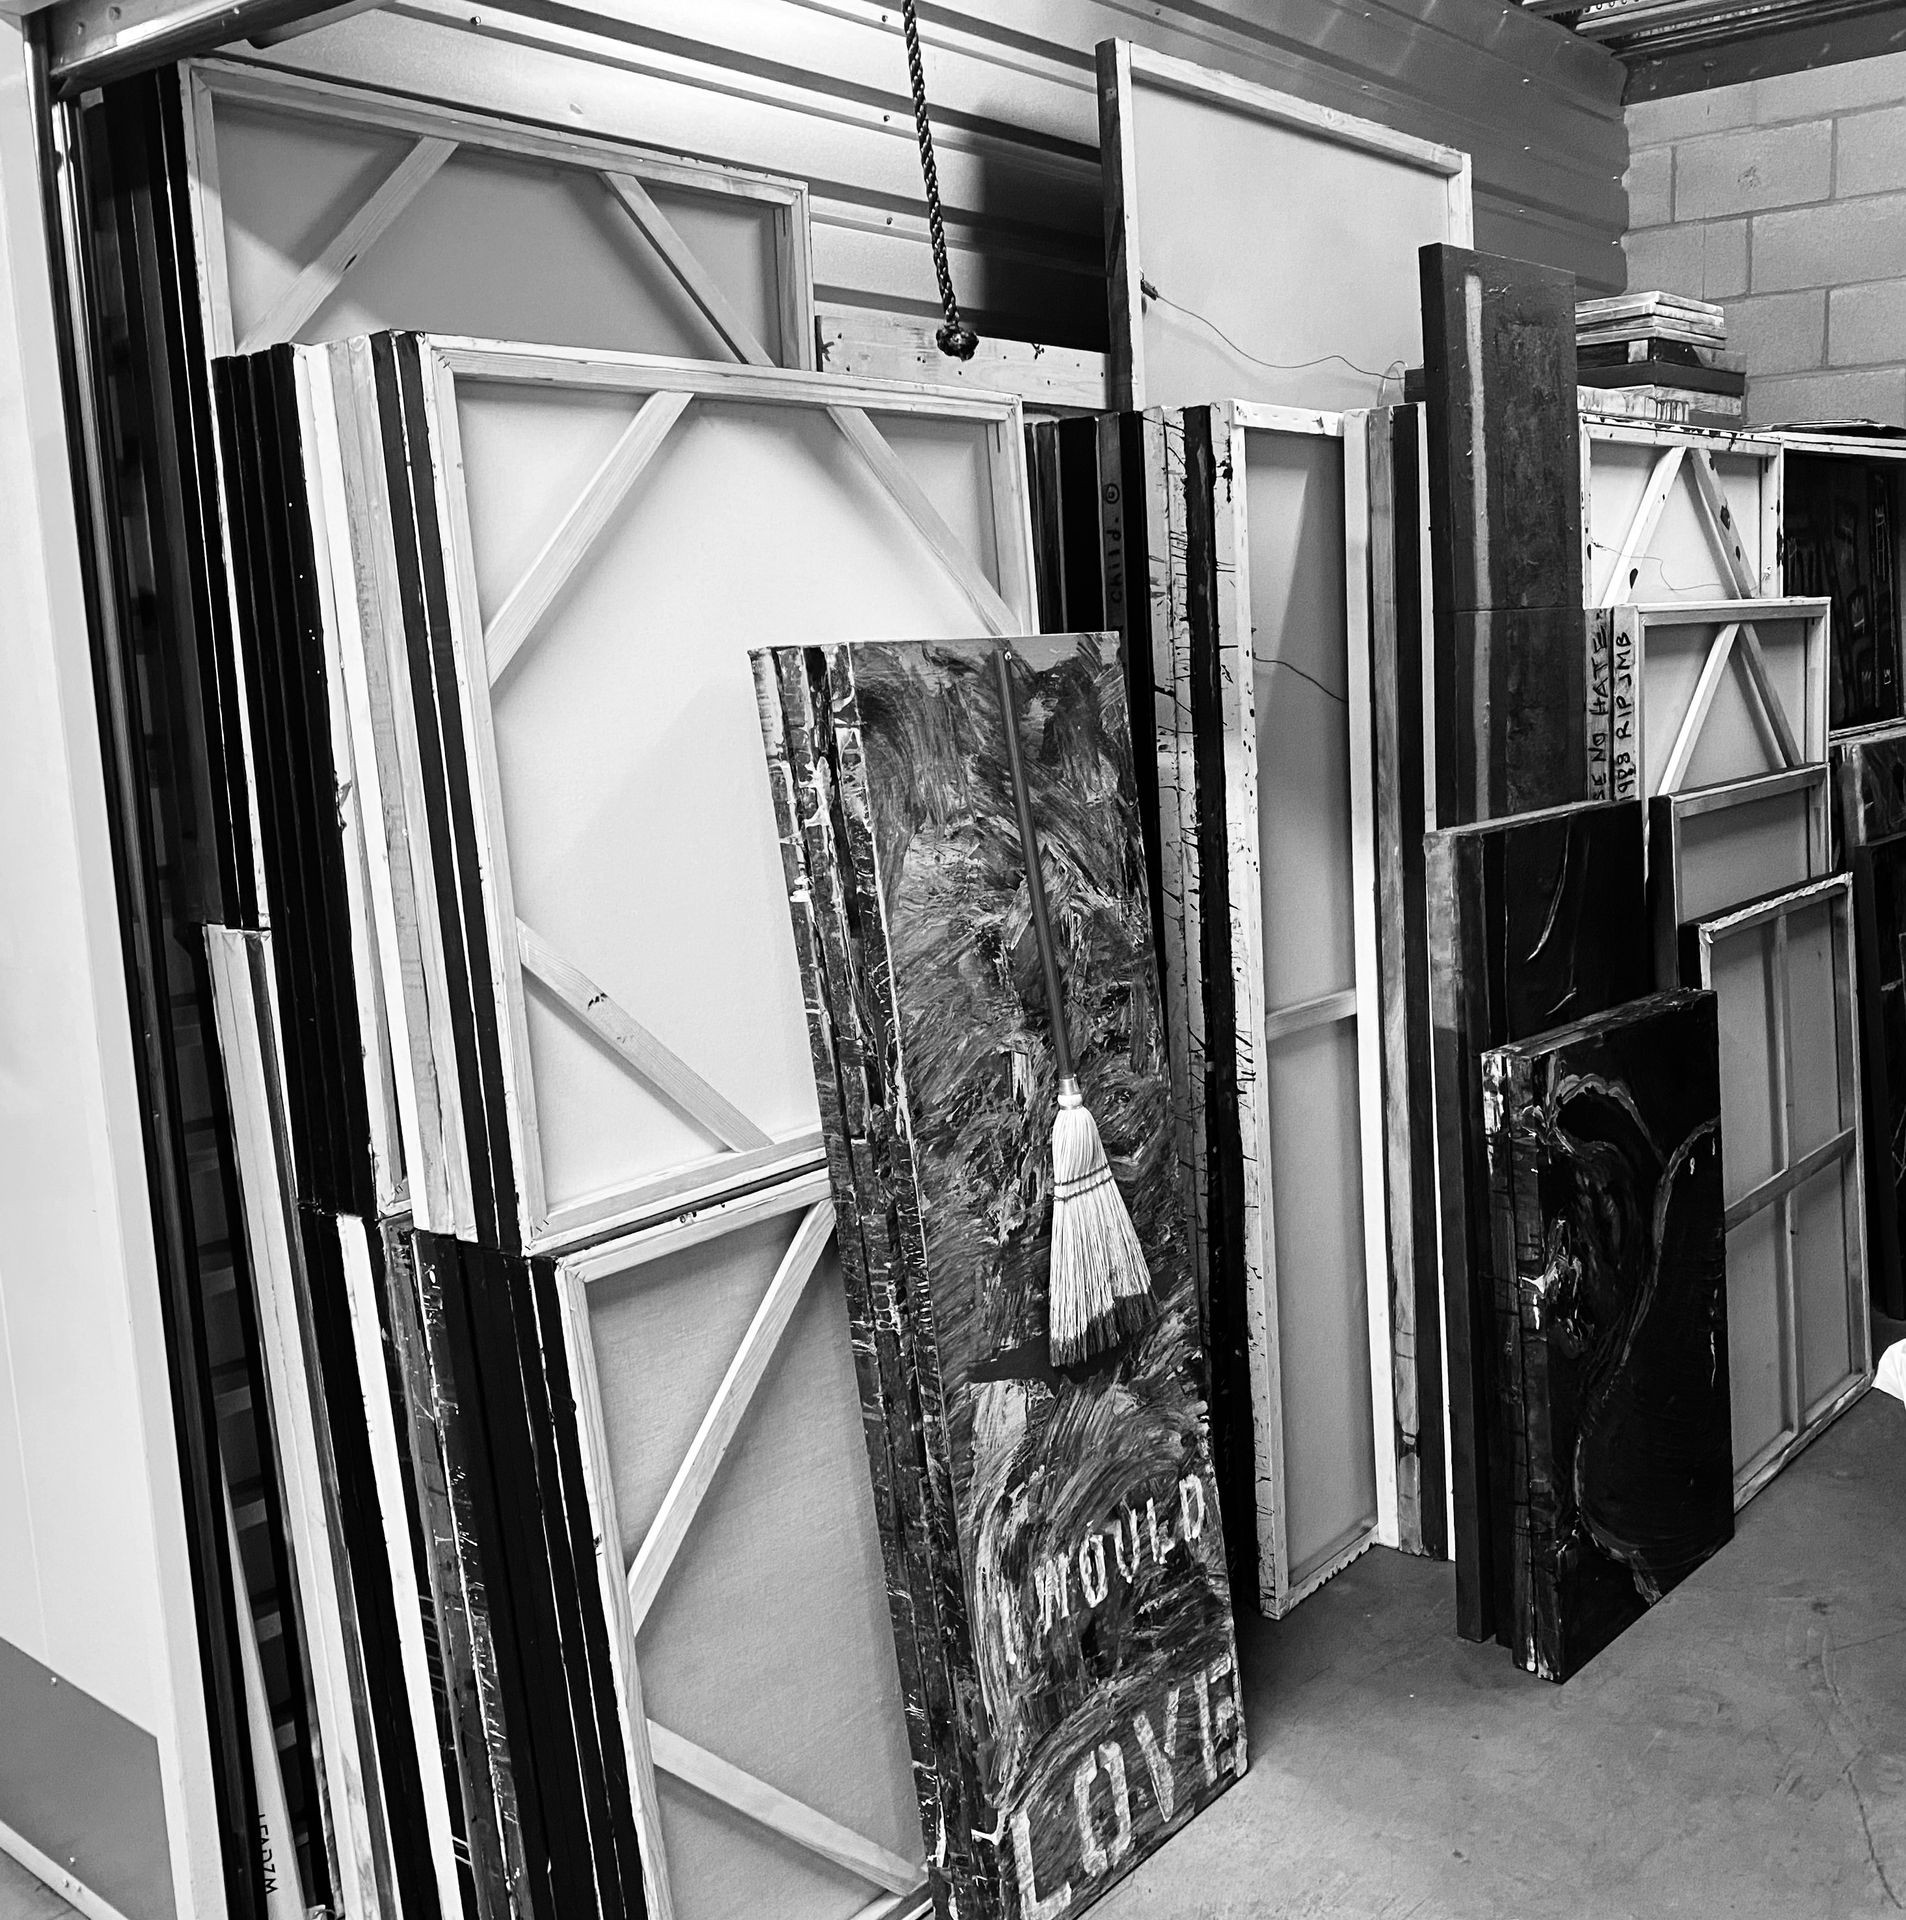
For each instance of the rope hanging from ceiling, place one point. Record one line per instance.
(957, 339)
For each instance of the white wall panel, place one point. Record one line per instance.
(817, 88)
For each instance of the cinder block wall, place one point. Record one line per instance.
(1785, 200)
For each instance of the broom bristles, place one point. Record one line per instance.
(1100, 1287)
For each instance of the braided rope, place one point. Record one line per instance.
(956, 338)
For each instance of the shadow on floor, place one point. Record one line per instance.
(1739, 1752)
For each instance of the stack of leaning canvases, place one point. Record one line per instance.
(554, 1061)
(1055, 1551)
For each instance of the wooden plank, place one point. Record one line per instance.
(723, 1419)
(1367, 991)
(870, 343)
(316, 284)
(1778, 1186)
(1755, 662)
(1384, 443)
(870, 443)
(1306, 1015)
(695, 279)
(793, 1819)
(1641, 529)
(1713, 671)
(1499, 350)
(1118, 143)
(1285, 109)
(208, 211)
(1511, 699)
(1717, 518)
(592, 369)
(655, 1064)
(578, 530)
(625, 1663)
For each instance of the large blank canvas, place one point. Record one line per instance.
(627, 716)
(1292, 229)
(1306, 706)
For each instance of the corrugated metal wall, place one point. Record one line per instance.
(818, 88)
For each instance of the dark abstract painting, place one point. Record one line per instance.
(1065, 1586)
(1532, 922)
(1609, 1272)
(1871, 775)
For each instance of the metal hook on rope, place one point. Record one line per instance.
(957, 339)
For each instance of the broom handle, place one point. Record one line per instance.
(1035, 882)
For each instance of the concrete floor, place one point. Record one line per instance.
(1740, 1753)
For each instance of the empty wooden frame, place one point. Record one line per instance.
(1724, 690)
(1800, 1338)
(724, 1456)
(1320, 308)
(324, 210)
(1678, 514)
(1720, 847)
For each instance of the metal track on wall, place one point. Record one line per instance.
(1632, 27)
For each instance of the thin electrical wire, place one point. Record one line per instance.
(1271, 660)
(1394, 371)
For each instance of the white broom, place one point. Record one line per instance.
(1099, 1287)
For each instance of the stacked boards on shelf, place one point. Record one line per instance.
(533, 1048)
(1264, 566)
(1052, 1532)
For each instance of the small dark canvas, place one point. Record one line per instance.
(1608, 1268)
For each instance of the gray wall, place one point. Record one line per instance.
(820, 91)
(1785, 200)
